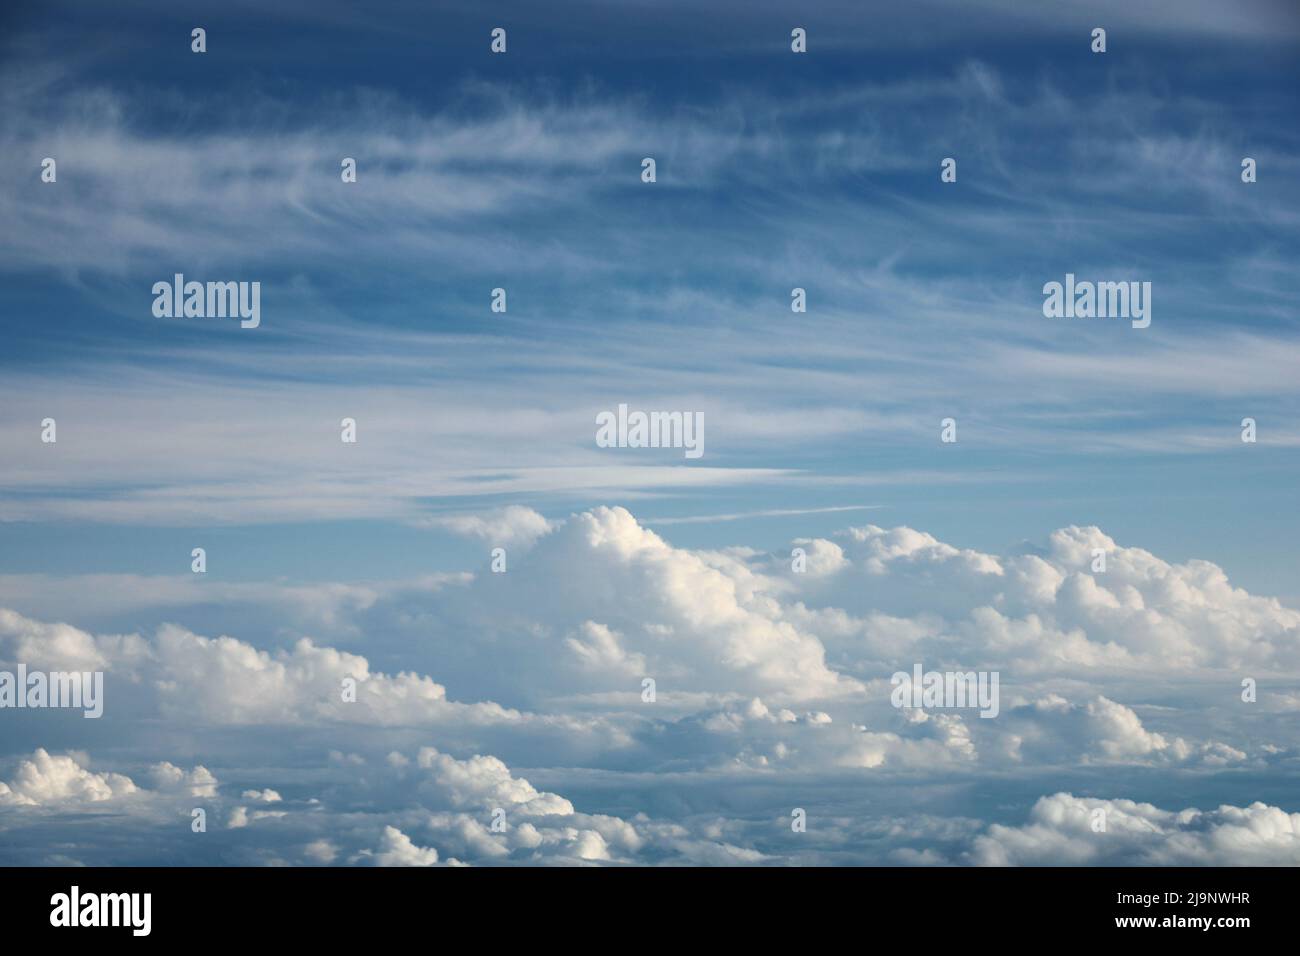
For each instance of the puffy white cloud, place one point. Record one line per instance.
(229, 681)
(486, 815)
(209, 682)
(397, 849)
(1099, 730)
(821, 557)
(1039, 613)
(600, 649)
(65, 781)
(693, 621)
(198, 782)
(947, 742)
(320, 851)
(1065, 830)
(1118, 731)
(61, 646)
(265, 796)
(600, 601)
(44, 780)
(769, 682)
(486, 782)
(241, 817)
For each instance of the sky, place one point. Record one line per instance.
(522, 690)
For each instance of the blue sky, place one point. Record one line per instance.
(522, 171)
(777, 171)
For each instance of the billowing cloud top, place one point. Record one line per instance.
(767, 682)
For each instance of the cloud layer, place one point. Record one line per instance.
(766, 683)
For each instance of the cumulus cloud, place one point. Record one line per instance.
(396, 849)
(602, 600)
(600, 649)
(320, 851)
(486, 782)
(265, 796)
(1100, 730)
(241, 817)
(45, 780)
(65, 781)
(198, 782)
(454, 715)
(1066, 830)
(1040, 612)
(226, 681)
(60, 646)
(767, 678)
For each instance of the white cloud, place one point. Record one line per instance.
(265, 796)
(241, 817)
(1061, 831)
(600, 649)
(396, 849)
(44, 780)
(65, 782)
(1043, 613)
(198, 782)
(766, 679)
(486, 782)
(320, 851)
(506, 527)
